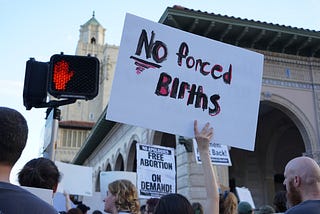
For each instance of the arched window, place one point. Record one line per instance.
(93, 41)
(108, 167)
(132, 158)
(119, 166)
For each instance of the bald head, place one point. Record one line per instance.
(304, 167)
(302, 181)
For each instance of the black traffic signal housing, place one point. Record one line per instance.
(73, 76)
(35, 84)
(65, 76)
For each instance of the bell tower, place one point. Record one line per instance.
(91, 39)
(77, 119)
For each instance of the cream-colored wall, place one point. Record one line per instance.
(301, 99)
(115, 144)
(110, 58)
(297, 91)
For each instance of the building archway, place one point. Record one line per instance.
(132, 158)
(119, 165)
(164, 139)
(108, 168)
(97, 183)
(278, 139)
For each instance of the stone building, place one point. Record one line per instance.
(288, 120)
(78, 119)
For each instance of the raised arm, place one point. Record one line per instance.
(203, 139)
(68, 200)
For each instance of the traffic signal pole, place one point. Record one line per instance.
(50, 150)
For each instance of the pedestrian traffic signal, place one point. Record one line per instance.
(65, 76)
(35, 84)
(73, 76)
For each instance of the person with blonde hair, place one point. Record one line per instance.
(122, 197)
(228, 203)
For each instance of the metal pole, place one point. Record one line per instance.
(50, 150)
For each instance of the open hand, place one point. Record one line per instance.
(61, 75)
(204, 137)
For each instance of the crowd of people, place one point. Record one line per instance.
(302, 183)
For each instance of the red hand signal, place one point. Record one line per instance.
(61, 75)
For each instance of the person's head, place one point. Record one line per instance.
(122, 195)
(266, 209)
(96, 212)
(40, 173)
(228, 203)
(13, 136)
(150, 205)
(280, 201)
(142, 209)
(302, 180)
(173, 203)
(197, 208)
(244, 208)
(74, 211)
(84, 209)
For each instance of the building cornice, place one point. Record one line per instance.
(244, 33)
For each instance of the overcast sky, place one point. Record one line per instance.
(40, 29)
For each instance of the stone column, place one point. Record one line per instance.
(190, 180)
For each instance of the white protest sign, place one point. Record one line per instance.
(59, 202)
(219, 154)
(245, 195)
(156, 171)
(166, 78)
(108, 177)
(94, 201)
(76, 180)
(44, 194)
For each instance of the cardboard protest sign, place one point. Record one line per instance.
(219, 154)
(94, 201)
(166, 78)
(244, 194)
(59, 202)
(108, 177)
(44, 194)
(76, 180)
(156, 171)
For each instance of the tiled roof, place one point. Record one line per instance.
(239, 18)
(244, 33)
(76, 124)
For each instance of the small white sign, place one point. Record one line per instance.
(76, 180)
(219, 154)
(44, 194)
(244, 194)
(108, 177)
(59, 202)
(156, 171)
